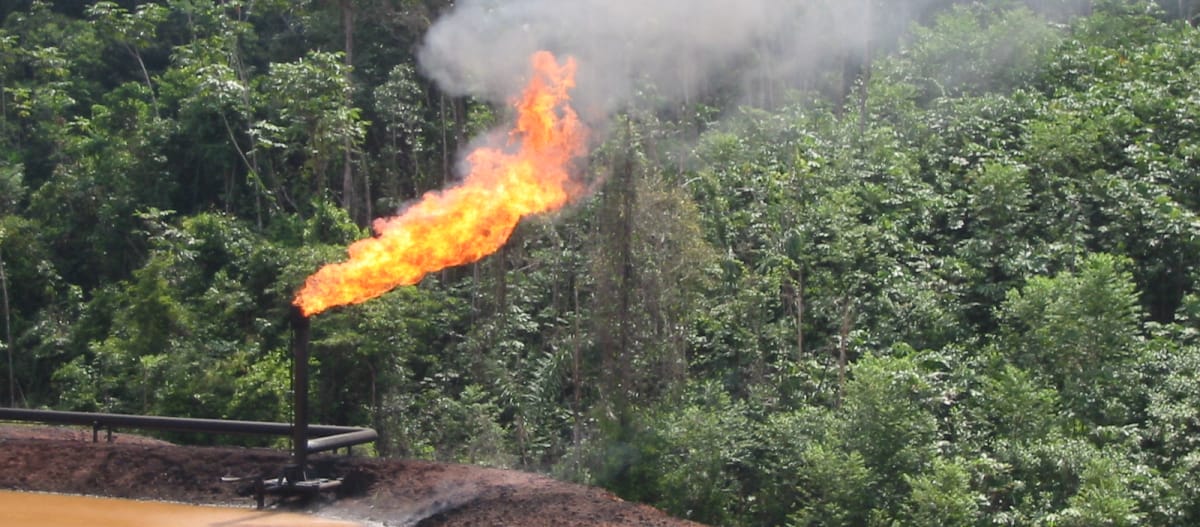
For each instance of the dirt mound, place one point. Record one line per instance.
(377, 491)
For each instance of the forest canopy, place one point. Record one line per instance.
(940, 269)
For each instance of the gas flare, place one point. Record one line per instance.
(462, 224)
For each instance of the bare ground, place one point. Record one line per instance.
(391, 492)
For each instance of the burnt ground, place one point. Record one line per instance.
(391, 492)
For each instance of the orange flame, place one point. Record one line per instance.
(465, 223)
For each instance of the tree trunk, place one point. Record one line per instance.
(615, 280)
(476, 296)
(798, 298)
(12, 383)
(1185, 11)
(499, 260)
(843, 343)
(230, 190)
(368, 209)
(445, 143)
(381, 446)
(460, 121)
(476, 313)
(625, 252)
(348, 200)
(250, 157)
(576, 380)
(865, 72)
(145, 76)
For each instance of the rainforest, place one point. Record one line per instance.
(916, 262)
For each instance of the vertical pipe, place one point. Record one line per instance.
(300, 327)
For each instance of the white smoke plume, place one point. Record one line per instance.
(481, 47)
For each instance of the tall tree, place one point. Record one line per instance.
(133, 31)
(615, 276)
(307, 133)
(1081, 330)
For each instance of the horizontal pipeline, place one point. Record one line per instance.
(329, 437)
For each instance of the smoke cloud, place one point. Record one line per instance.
(678, 47)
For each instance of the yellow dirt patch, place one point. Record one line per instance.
(23, 509)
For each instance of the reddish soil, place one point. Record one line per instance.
(390, 492)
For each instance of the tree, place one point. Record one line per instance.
(210, 87)
(885, 419)
(617, 276)
(1105, 496)
(307, 132)
(835, 487)
(401, 105)
(942, 497)
(977, 48)
(133, 31)
(1082, 331)
(704, 445)
(36, 307)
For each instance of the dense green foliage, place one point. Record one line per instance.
(962, 291)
